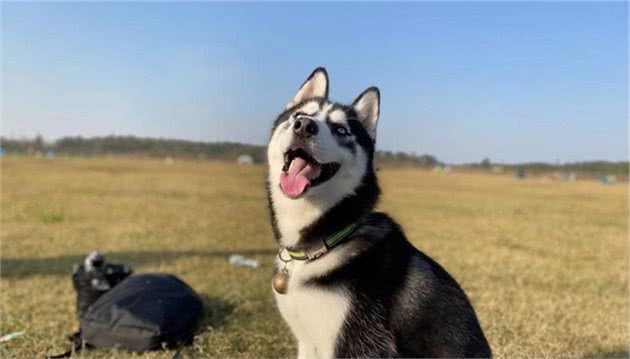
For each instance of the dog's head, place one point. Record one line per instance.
(320, 150)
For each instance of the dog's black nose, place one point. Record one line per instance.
(305, 127)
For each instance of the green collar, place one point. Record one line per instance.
(329, 243)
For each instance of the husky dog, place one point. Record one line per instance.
(349, 283)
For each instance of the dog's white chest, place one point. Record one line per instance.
(314, 315)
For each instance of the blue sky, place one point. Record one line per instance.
(514, 82)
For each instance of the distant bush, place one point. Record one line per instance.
(51, 217)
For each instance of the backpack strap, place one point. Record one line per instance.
(77, 345)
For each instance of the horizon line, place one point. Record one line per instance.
(52, 141)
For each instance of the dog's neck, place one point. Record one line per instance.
(306, 222)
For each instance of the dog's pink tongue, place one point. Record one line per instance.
(294, 182)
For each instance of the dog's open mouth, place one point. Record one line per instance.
(301, 172)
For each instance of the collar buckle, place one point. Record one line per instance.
(318, 253)
(328, 245)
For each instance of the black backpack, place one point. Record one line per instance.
(144, 312)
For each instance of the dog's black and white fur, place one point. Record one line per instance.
(374, 295)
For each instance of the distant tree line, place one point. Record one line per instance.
(230, 151)
(405, 159)
(159, 147)
(591, 167)
(586, 168)
(131, 145)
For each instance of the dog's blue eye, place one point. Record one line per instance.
(342, 131)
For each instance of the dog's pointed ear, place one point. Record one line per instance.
(315, 85)
(368, 107)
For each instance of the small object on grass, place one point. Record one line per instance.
(239, 260)
(10, 336)
(608, 180)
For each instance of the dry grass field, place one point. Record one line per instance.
(545, 263)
